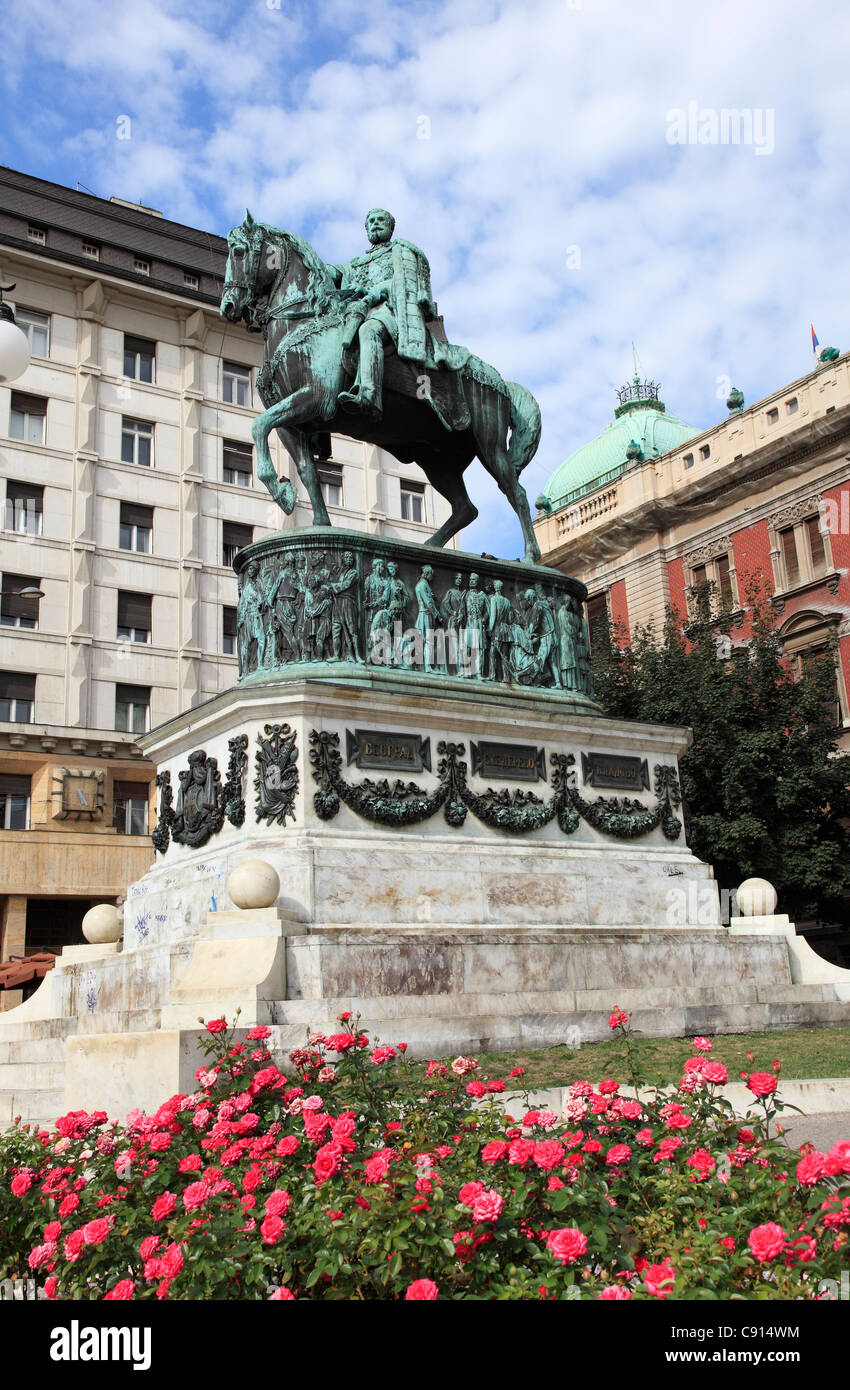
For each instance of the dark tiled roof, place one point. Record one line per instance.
(71, 217)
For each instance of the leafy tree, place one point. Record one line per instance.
(765, 788)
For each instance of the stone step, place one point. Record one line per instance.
(41, 1107)
(32, 1050)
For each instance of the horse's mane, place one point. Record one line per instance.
(321, 289)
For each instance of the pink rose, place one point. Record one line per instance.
(282, 1295)
(620, 1153)
(96, 1231)
(840, 1156)
(461, 1066)
(811, 1167)
(715, 1072)
(487, 1206)
(659, 1278)
(421, 1290)
(615, 1291)
(703, 1044)
(195, 1195)
(468, 1193)
(567, 1244)
(766, 1242)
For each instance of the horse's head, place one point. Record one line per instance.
(253, 263)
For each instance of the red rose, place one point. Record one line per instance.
(195, 1195)
(548, 1153)
(715, 1072)
(282, 1295)
(21, 1184)
(69, 1204)
(96, 1231)
(73, 1246)
(277, 1202)
(620, 1153)
(567, 1244)
(608, 1088)
(163, 1206)
(327, 1162)
(766, 1242)
(421, 1290)
(272, 1229)
(122, 1292)
(615, 1291)
(218, 1025)
(258, 1034)
(476, 1089)
(762, 1083)
(492, 1152)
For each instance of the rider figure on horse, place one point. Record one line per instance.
(390, 303)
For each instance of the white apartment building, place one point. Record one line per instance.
(127, 483)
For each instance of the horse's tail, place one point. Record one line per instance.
(525, 426)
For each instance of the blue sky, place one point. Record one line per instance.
(524, 144)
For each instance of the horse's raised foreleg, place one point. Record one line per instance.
(295, 441)
(277, 416)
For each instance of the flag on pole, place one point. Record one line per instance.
(814, 341)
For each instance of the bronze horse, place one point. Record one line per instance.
(277, 283)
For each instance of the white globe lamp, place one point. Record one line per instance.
(14, 346)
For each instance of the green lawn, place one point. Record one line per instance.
(803, 1052)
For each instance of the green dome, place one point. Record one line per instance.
(641, 420)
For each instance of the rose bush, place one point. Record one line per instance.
(364, 1175)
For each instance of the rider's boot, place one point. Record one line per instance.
(365, 394)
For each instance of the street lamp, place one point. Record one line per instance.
(14, 345)
(29, 592)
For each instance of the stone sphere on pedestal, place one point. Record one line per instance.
(253, 883)
(102, 924)
(757, 898)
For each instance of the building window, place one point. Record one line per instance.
(792, 406)
(803, 554)
(132, 708)
(24, 508)
(330, 482)
(705, 451)
(141, 267)
(136, 442)
(236, 384)
(234, 538)
(413, 502)
(717, 571)
(772, 416)
(139, 358)
(17, 697)
(228, 639)
(14, 803)
(688, 460)
(135, 528)
(238, 463)
(27, 418)
(134, 617)
(91, 250)
(37, 234)
(190, 281)
(597, 615)
(15, 610)
(805, 641)
(37, 329)
(130, 807)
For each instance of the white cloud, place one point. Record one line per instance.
(547, 130)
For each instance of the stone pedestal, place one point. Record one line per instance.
(469, 867)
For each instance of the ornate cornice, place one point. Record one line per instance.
(709, 550)
(786, 516)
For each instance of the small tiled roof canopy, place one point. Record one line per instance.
(15, 973)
